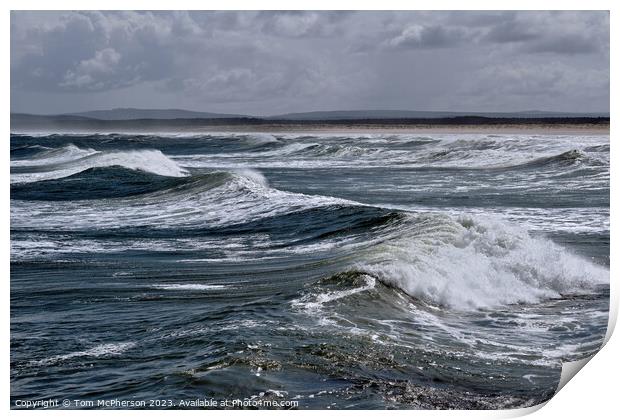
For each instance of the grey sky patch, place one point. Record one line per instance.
(559, 33)
(510, 31)
(271, 62)
(566, 44)
(300, 24)
(429, 36)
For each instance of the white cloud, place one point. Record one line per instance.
(88, 73)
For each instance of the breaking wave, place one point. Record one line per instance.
(467, 264)
(69, 160)
(458, 262)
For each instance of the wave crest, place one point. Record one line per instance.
(468, 264)
(69, 160)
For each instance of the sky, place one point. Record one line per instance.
(268, 63)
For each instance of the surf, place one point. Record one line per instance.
(69, 160)
(470, 263)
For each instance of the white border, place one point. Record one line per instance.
(593, 394)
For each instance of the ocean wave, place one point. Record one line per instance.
(70, 159)
(118, 182)
(208, 200)
(55, 156)
(265, 150)
(459, 262)
(314, 302)
(468, 263)
(94, 183)
(447, 154)
(569, 158)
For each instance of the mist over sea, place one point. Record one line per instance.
(336, 270)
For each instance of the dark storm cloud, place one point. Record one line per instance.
(270, 62)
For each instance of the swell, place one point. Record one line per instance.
(488, 152)
(70, 159)
(475, 160)
(466, 264)
(26, 146)
(113, 182)
(218, 199)
(569, 158)
(459, 262)
(456, 262)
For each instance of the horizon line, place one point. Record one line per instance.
(309, 112)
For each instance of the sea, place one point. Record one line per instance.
(310, 271)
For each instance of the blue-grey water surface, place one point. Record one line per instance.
(339, 271)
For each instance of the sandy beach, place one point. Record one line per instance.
(550, 129)
(534, 129)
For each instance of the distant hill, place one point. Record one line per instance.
(404, 114)
(120, 119)
(26, 122)
(121, 114)
(127, 114)
(71, 123)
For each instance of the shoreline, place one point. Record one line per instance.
(534, 129)
(413, 129)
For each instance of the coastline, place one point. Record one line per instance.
(534, 129)
(563, 129)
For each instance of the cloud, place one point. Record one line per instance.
(268, 62)
(510, 31)
(539, 85)
(298, 24)
(573, 43)
(428, 36)
(91, 73)
(96, 51)
(549, 32)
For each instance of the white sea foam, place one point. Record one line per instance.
(313, 303)
(102, 350)
(70, 160)
(189, 286)
(468, 264)
(407, 151)
(564, 219)
(260, 138)
(64, 154)
(253, 175)
(245, 197)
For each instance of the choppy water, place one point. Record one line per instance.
(341, 271)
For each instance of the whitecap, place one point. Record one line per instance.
(70, 160)
(102, 350)
(472, 263)
(188, 286)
